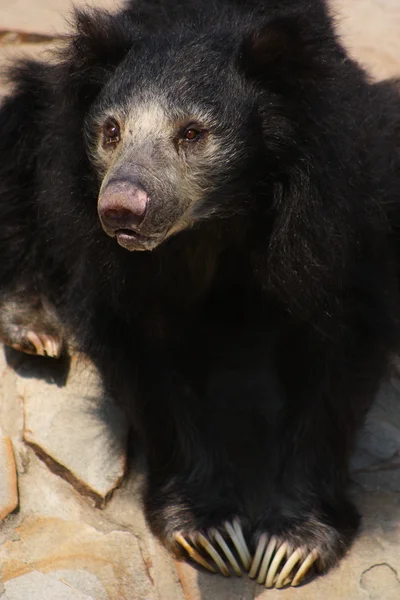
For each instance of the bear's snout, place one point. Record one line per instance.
(122, 206)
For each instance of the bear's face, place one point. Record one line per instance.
(171, 136)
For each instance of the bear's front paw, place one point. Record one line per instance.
(218, 549)
(293, 544)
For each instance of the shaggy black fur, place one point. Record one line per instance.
(247, 348)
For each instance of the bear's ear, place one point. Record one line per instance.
(100, 42)
(288, 49)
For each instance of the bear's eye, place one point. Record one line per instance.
(192, 134)
(111, 132)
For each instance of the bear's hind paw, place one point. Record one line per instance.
(221, 550)
(40, 344)
(277, 564)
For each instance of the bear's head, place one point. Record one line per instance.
(184, 125)
(172, 135)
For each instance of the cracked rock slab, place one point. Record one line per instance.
(8, 478)
(76, 429)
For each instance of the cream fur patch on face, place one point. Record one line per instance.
(148, 120)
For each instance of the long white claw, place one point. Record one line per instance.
(266, 560)
(36, 342)
(284, 578)
(225, 548)
(239, 532)
(304, 567)
(240, 544)
(193, 553)
(48, 345)
(269, 583)
(262, 542)
(54, 348)
(57, 347)
(201, 539)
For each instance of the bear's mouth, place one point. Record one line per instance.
(132, 240)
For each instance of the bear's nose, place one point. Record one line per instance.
(122, 205)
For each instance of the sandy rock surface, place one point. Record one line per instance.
(8, 478)
(371, 31)
(73, 530)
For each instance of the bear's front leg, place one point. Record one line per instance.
(210, 418)
(307, 522)
(193, 502)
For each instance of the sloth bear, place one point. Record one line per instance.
(204, 195)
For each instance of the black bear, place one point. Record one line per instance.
(205, 196)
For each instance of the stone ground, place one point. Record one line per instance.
(71, 525)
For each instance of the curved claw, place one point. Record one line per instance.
(262, 543)
(36, 342)
(305, 567)
(203, 541)
(284, 576)
(229, 555)
(193, 553)
(273, 542)
(239, 532)
(275, 564)
(236, 534)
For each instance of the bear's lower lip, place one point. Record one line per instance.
(131, 240)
